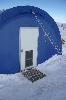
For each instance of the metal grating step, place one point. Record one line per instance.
(33, 74)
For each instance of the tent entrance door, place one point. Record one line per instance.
(28, 46)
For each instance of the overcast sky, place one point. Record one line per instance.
(56, 8)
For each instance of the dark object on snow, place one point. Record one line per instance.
(63, 41)
(33, 74)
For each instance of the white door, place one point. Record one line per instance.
(28, 46)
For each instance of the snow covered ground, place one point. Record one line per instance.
(51, 87)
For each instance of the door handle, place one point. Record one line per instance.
(21, 50)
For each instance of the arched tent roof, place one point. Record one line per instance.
(11, 13)
(17, 11)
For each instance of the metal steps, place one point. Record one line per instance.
(33, 74)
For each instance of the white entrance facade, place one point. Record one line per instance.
(28, 45)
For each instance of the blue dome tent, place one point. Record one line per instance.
(28, 37)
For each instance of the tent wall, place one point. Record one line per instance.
(10, 22)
